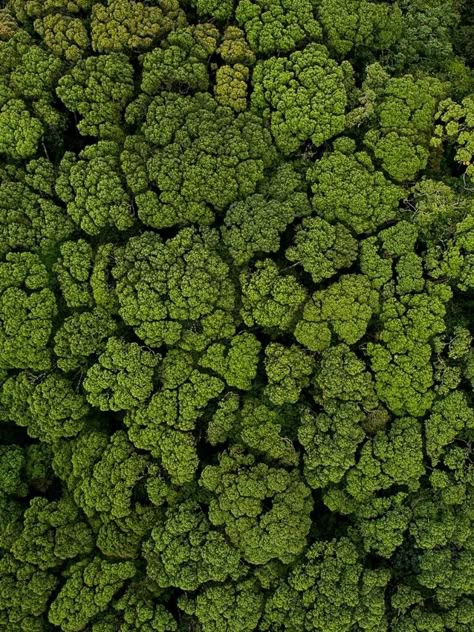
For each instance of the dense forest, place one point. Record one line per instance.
(236, 315)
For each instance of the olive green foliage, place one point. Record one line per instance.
(180, 60)
(93, 189)
(236, 315)
(344, 309)
(278, 27)
(122, 377)
(360, 24)
(98, 89)
(270, 298)
(260, 534)
(192, 158)
(27, 310)
(289, 92)
(120, 25)
(178, 291)
(255, 224)
(322, 248)
(347, 188)
(405, 111)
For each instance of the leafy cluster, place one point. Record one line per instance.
(236, 315)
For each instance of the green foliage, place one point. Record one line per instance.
(236, 332)
(101, 472)
(53, 532)
(343, 309)
(234, 48)
(426, 38)
(181, 60)
(449, 418)
(82, 335)
(405, 113)
(122, 25)
(456, 125)
(329, 590)
(175, 291)
(347, 188)
(401, 360)
(198, 156)
(29, 221)
(231, 86)
(12, 462)
(48, 406)
(255, 224)
(139, 609)
(288, 371)
(24, 594)
(20, 133)
(28, 78)
(322, 248)
(255, 425)
(73, 270)
(233, 607)
(344, 377)
(90, 586)
(218, 9)
(330, 440)
(123, 376)
(239, 487)
(185, 551)
(237, 364)
(98, 89)
(303, 96)
(65, 36)
(360, 24)
(165, 425)
(270, 298)
(27, 309)
(92, 189)
(277, 27)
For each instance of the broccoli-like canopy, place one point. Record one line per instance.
(406, 113)
(122, 377)
(236, 330)
(269, 298)
(303, 96)
(98, 89)
(236, 607)
(53, 532)
(240, 489)
(322, 248)
(165, 425)
(29, 221)
(360, 24)
(330, 589)
(278, 27)
(193, 158)
(185, 551)
(181, 60)
(90, 586)
(92, 187)
(288, 371)
(25, 592)
(27, 309)
(121, 25)
(343, 309)
(254, 225)
(47, 405)
(175, 291)
(347, 188)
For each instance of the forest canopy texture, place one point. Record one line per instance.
(236, 315)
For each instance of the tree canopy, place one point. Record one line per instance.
(236, 315)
